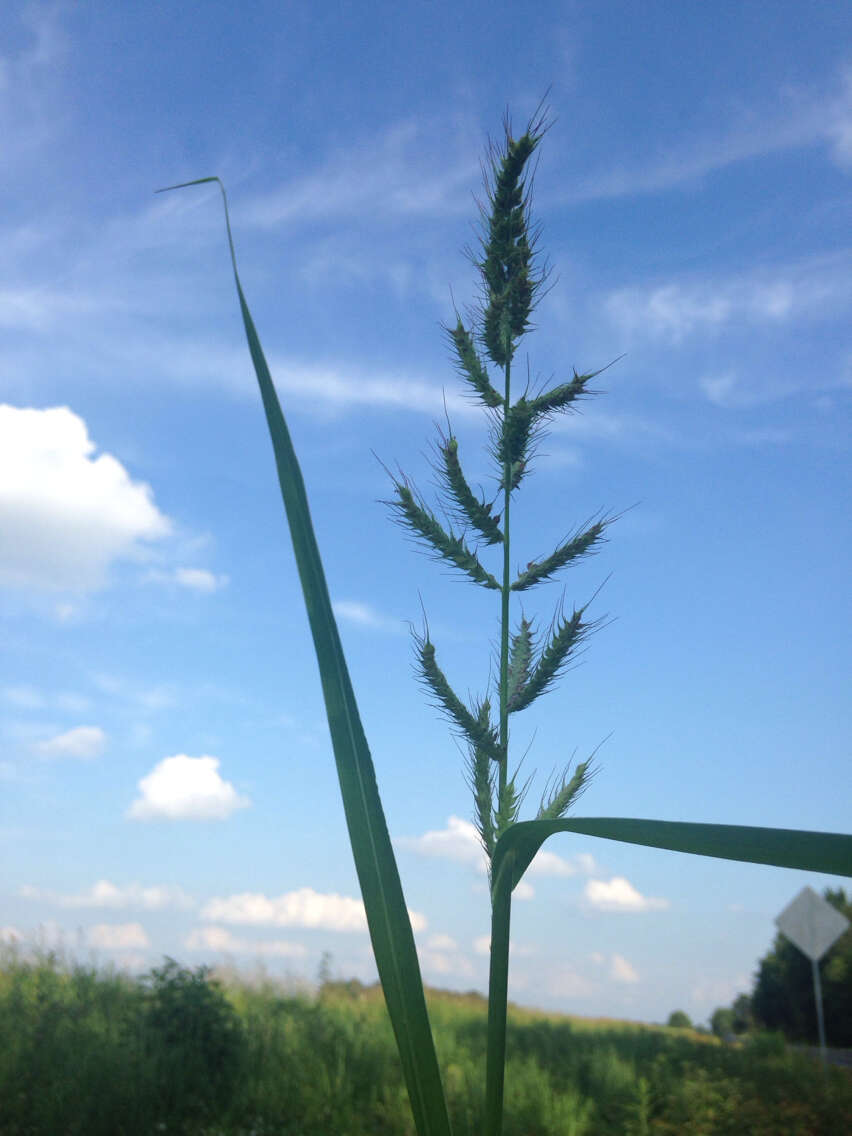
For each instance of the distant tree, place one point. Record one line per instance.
(679, 1020)
(196, 1041)
(743, 1014)
(324, 971)
(722, 1022)
(783, 997)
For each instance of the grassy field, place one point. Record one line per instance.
(95, 1053)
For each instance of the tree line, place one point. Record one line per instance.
(782, 998)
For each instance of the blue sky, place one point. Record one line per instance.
(167, 778)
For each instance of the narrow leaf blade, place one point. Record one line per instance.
(387, 915)
(828, 852)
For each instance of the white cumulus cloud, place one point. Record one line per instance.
(566, 983)
(65, 515)
(214, 938)
(441, 943)
(186, 788)
(445, 962)
(618, 894)
(117, 936)
(103, 893)
(459, 841)
(81, 742)
(363, 615)
(301, 908)
(199, 580)
(482, 946)
(622, 971)
(550, 864)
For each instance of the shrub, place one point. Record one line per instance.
(195, 1040)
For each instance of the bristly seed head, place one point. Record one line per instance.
(508, 279)
(476, 728)
(414, 515)
(467, 507)
(566, 792)
(471, 366)
(529, 663)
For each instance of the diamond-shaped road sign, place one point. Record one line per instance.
(811, 923)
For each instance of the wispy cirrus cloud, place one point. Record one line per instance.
(23, 697)
(395, 176)
(672, 311)
(40, 309)
(788, 119)
(82, 742)
(28, 114)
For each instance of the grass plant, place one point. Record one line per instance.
(530, 661)
(88, 1052)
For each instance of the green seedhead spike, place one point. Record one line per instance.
(481, 776)
(561, 397)
(565, 637)
(445, 545)
(478, 732)
(514, 441)
(520, 662)
(471, 366)
(509, 281)
(569, 550)
(467, 505)
(509, 805)
(565, 793)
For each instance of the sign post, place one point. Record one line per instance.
(813, 925)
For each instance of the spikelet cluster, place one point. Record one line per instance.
(466, 505)
(474, 725)
(509, 280)
(530, 662)
(444, 545)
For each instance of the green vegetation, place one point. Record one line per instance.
(679, 1019)
(87, 1053)
(529, 663)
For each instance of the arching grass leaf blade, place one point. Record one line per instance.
(387, 915)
